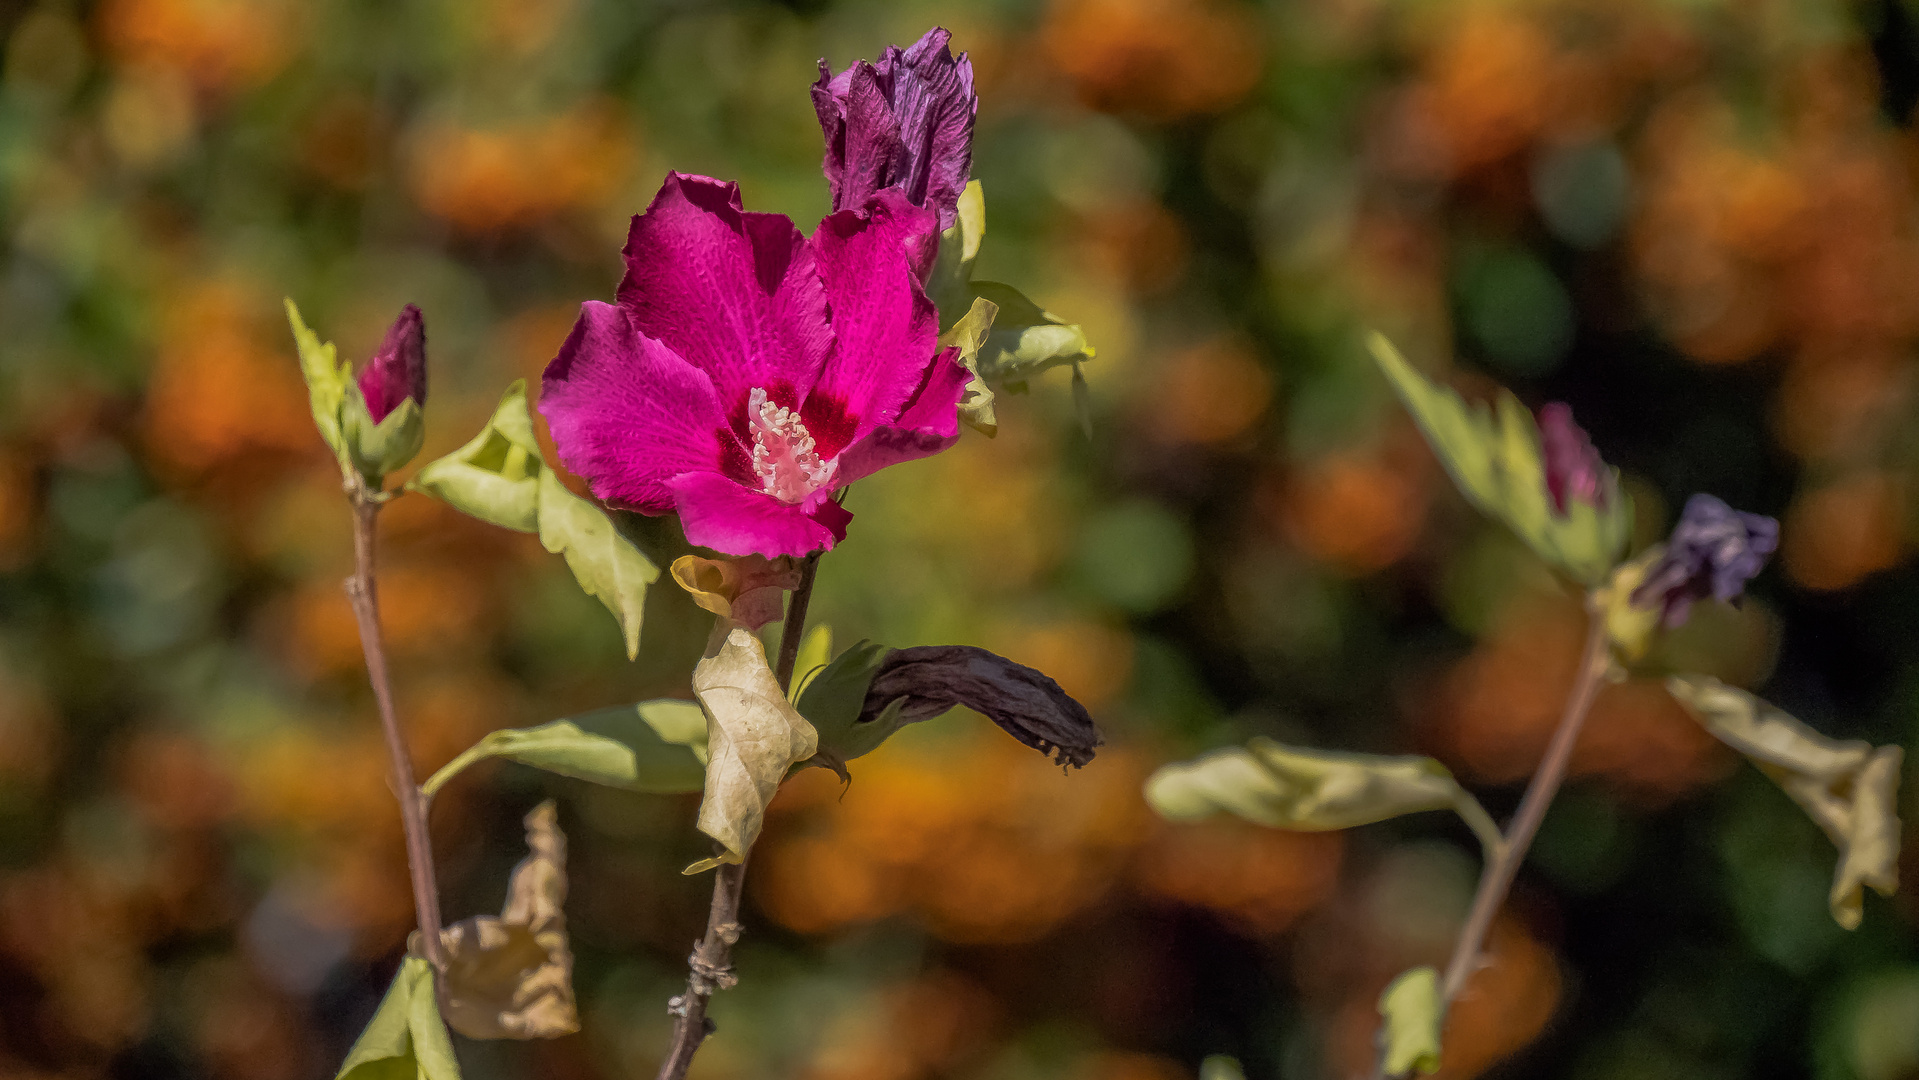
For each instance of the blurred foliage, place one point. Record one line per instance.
(1697, 222)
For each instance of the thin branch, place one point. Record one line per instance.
(710, 967)
(363, 592)
(1496, 879)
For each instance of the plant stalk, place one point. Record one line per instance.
(1496, 878)
(710, 967)
(362, 591)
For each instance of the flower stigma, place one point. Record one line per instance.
(784, 457)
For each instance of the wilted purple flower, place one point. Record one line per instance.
(1574, 469)
(398, 370)
(1030, 706)
(748, 372)
(1713, 551)
(905, 122)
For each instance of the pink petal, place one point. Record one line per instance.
(736, 294)
(721, 514)
(928, 424)
(885, 326)
(627, 413)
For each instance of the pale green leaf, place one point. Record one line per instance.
(655, 746)
(1494, 458)
(1311, 790)
(406, 1039)
(753, 736)
(607, 565)
(969, 336)
(327, 378)
(959, 248)
(1414, 1011)
(495, 476)
(510, 976)
(1845, 786)
(1026, 339)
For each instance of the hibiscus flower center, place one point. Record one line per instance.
(784, 457)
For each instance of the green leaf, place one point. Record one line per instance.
(327, 378)
(655, 746)
(385, 447)
(1413, 1010)
(753, 736)
(495, 476)
(1847, 787)
(1026, 339)
(405, 1039)
(606, 564)
(1312, 790)
(833, 699)
(816, 651)
(1494, 458)
(959, 248)
(969, 335)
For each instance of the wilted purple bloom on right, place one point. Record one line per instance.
(905, 122)
(1713, 551)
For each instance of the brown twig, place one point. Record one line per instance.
(1497, 876)
(363, 592)
(710, 967)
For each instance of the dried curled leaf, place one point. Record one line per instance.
(928, 680)
(749, 590)
(1846, 786)
(1413, 1010)
(1494, 458)
(510, 976)
(405, 1040)
(1311, 790)
(753, 736)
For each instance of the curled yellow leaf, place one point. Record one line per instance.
(749, 590)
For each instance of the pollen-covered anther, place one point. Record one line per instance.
(784, 456)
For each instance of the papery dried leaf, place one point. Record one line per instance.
(1848, 788)
(749, 590)
(1870, 855)
(753, 736)
(1765, 733)
(511, 976)
(1028, 705)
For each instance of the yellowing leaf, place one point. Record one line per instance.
(1494, 458)
(959, 247)
(749, 590)
(655, 746)
(495, 476)
(405, 1040)
(1630, 627)
(1413, 1011)
(969, 336)
(1848, 788)
(1026, 339)
(816, 651)
(1312, 790)
(327, 378)
(511, 976)
(753, 736)
(607, 565)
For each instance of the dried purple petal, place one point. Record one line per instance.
(1713, 551)
(1031, 707)
(905, 122)
(1574, 469)
(398, 370)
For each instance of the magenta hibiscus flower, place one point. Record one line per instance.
(747, 372)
